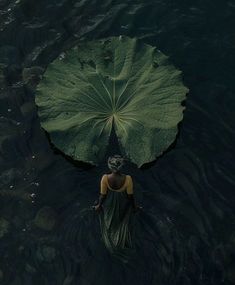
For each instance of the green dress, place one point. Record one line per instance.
(116, 220)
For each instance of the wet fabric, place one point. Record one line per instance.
(116, 224)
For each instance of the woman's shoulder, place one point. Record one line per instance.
(128, 179)
(104, 176)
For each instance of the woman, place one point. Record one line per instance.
(116, 193)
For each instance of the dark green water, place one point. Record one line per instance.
(188, 225)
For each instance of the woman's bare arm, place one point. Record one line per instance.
(130, 193)
(103, 193)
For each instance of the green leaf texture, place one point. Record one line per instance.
(119, 81)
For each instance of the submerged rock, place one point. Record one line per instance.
(28, 110)
(1, 275)
(2, 75)
(32, 76)
(10, 176)
(46, 253)
(231, 273)
(4, 227)
(29, 268)
(46, 218)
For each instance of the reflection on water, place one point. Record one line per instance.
(185, 233)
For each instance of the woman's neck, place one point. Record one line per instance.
(116, 173)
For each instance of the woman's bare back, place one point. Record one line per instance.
(116, 181)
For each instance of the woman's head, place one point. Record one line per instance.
(115, 163)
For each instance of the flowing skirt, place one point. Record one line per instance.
(117, 225)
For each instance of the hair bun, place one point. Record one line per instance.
(115, 162)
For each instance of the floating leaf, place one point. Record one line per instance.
(119, 81)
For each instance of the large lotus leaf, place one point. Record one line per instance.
(118, 81)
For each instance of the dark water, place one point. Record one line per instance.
(47, 234)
